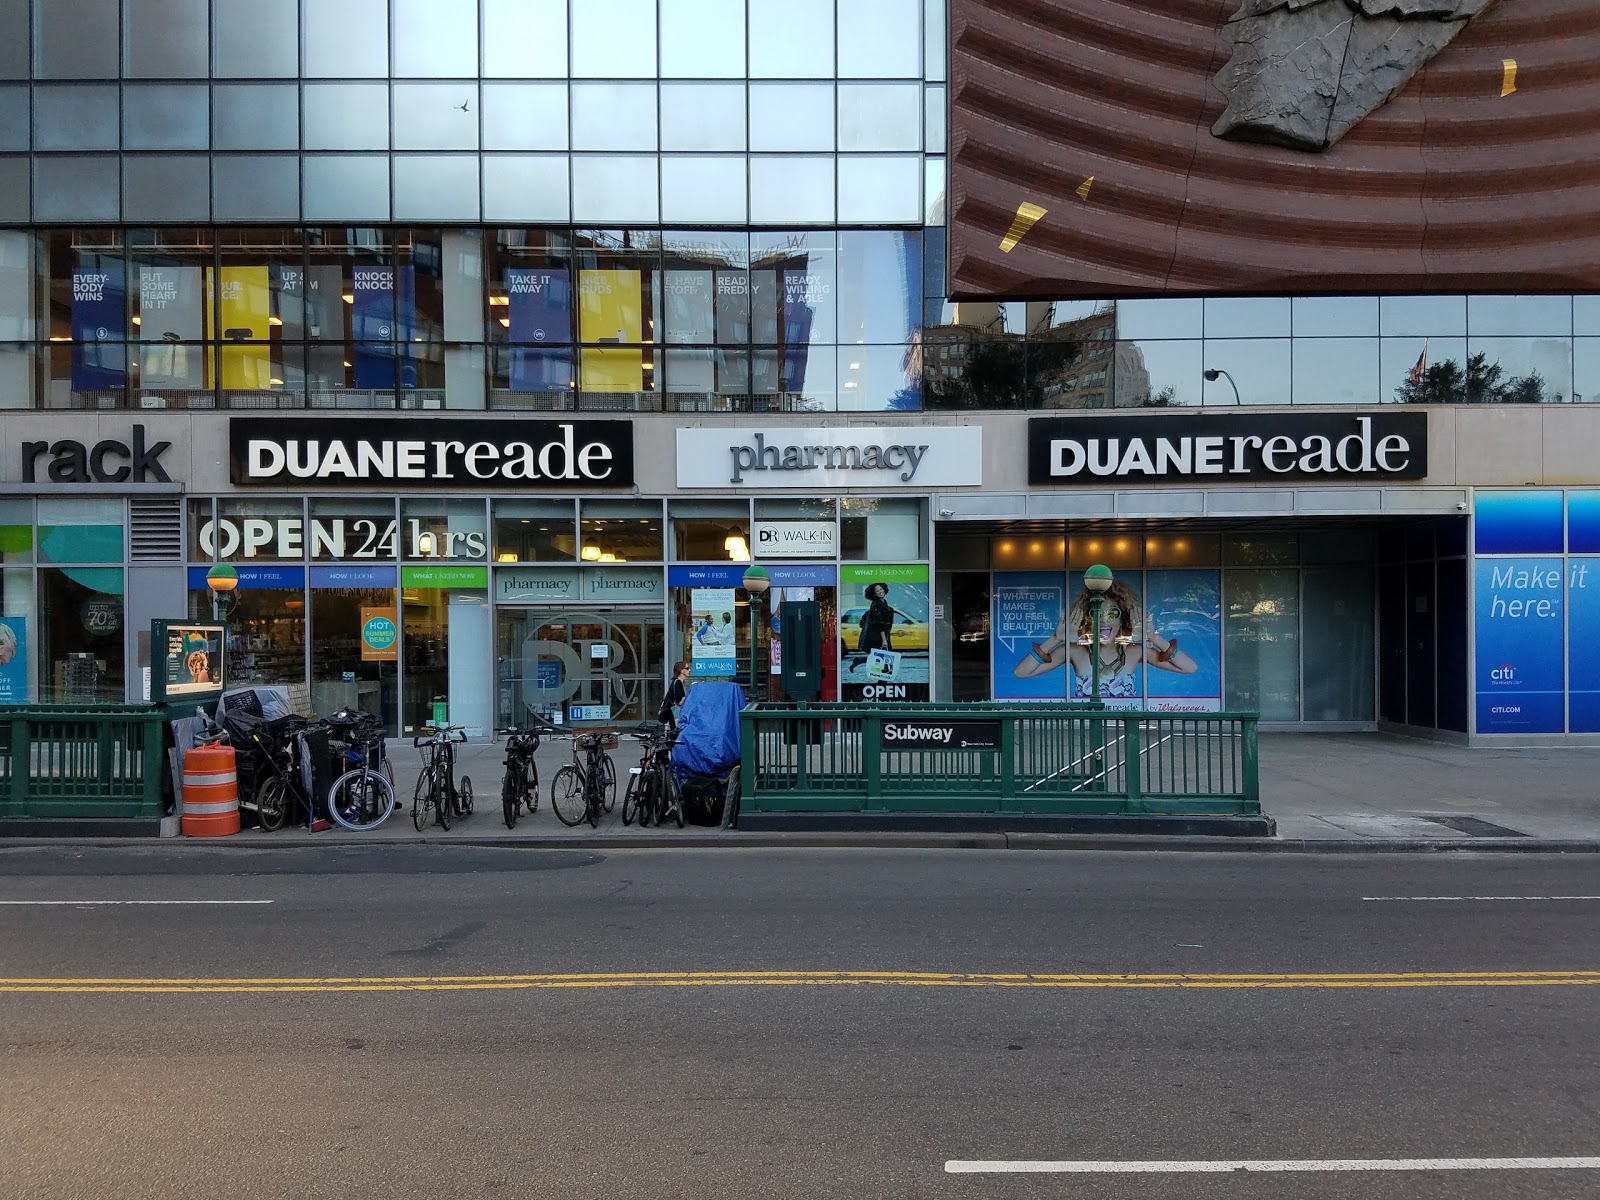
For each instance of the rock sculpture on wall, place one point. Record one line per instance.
(1305, 72)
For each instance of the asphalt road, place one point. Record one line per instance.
(403, 1022)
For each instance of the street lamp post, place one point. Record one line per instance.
(756, 582)
(222, 579)
(1214, 372)
(1096, 580)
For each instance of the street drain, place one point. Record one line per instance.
(1470, 825)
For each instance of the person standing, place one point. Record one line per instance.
(677, 690)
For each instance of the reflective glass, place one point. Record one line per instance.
(880, 116)
(165, 39)
(14, 205)
(526, 188)
(1422, 370)
(525, 39)
(933, 191)
(793, 290)
(615, 188)
(1335, 316)
(166, 187)
(1530, 316)
(624, 530)
(702, 39)
(1261, 662)
(524, 116)
(1338, 627)
(618, 291)
(165, 116)
(14, 50)
(1139, 320)
(1247, 318)
(881, 40)
(616, 40)
(613, 116)
(255, 187)
(17, 365)
(76, 188)
(347, 40)
(792, 40)
(433, 40)
(15, 118)
(933, 40)
(256, 116)
(702, 116)
(1586, 316)
(1158, 374)
(1422, 316)
(70, 117)
(255, 38)
(880, 286)
(880, 188)
(878, 378)
(703, 188)
(346, 116)
(535, 531)
(435, 187)
(1336, 371)
(81, 636)
(933, 119)
(791, 190)
(347, 186)
(1522, 370)
(1586, 371)
(75, 39)
(17, 285)
(709, 530)
(791, 116)
(435, 116)
(1259, 366)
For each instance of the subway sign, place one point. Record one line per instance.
(1216, 448)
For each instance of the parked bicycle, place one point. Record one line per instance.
(652, 795)
(437, 790)
(587, 786)
(275, 756)
(363, 797)
(519, 785)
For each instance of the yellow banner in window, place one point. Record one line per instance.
(246, 317)
(610, 314)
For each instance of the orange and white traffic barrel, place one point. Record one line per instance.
(210, 792)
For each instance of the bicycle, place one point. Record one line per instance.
(586, 786)
(437, 790)
(519, 786)
(363, 797)
(652, 793)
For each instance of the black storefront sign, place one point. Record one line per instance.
(1216, 448)
(941, 735)
(431, 452)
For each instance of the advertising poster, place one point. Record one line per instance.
(1583, 645)
(380, 635)
(99, 360)
(193, 661)
(610, 314)
(1518, 625)
(1182, 640)
(713, 648)
(13, 660)
(688, 299)
(381, 320)
(1028, 608)
(883, 632)
(171, 326)
(540, 316)
(246, 317)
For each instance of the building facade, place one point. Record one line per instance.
(490, 346)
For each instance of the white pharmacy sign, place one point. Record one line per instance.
(830, 459)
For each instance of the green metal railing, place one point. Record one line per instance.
(1000, 758)
(69, 760)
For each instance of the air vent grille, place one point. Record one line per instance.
(156, 530)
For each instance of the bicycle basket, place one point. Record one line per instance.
(607, 739)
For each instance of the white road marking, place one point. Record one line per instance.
(1266, 1165)
(82, 903)
(1457, 899)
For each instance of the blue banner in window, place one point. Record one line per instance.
(1518, 628)
(382, 324)
(258, 577)
(352, 577)
(1029, 638)
(803, 575)
(99, 304)
(719, 575)
(1583, 645)
(1517, 523)
(1583, 522)
(540, 305)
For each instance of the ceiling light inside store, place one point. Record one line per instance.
(499, 299)
(274, 320)
(274, 383)
(506, 556)
(349, 298)
(591, 553)
(506, 321)
(738, 549)
(138, 320)
(608, 558)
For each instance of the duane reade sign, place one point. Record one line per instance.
(1212, 448)
(823, 459)
(426, 451)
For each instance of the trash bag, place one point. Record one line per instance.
(708, 730)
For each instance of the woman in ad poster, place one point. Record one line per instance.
(1124, 640)
(876, 623)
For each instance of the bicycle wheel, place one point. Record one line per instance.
(422, 799)
(509, 800)
(566, 796)
(608, 782)
(532, 796)
(360, 799)
(649, 797)
(671, 797)
(272, 804)
(439, 797)
(630, 799)
(464, 797)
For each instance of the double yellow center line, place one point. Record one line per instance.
(725, 979)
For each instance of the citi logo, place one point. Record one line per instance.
(1503, 673)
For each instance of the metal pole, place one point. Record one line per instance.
(1096, 603)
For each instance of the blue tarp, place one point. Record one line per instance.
(708, 730)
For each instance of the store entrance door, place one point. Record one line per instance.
(589, 666)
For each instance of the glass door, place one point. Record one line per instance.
(584, 666)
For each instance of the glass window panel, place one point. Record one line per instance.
(435, 116)
(615, 40)
(346, 116)
(532, 377)
(435, 187)
(16, 116)
(1261, 650)
(933, 191)
(795, 378)
(74, 118)
(880, 286)
(1586, 370)
(616, 188)
(1586, 315)
(702, 39)
(80, 530)
(17, 378)
(1339, 644)
(165, 39)
(1341, 546)
(791, 190)
(711, 299)
(349, 40)
(1145, 320)
(1120, 552)
(703, 189)
(794, 290)
(347, 187)
(75, 39)
(1260, 549)
(883, 529)
(166, 187)
(702, 116)
(433, 40)
(880, 189)
(162, 116)
(613, 116)
(621, 530)
(1422, 316)
(535, 531)
(933, 38)
(79, 188)
(1336, 371)
(791, 116)
(1520, 370)
(880, 116)
(91, 376)
(1530, 316)
(1182, 550)
(933, 119)
(1247, 318)
(1259, 367)
(14, 50)
(878, 378)
(935, 251)
(171, 283)
(525, 39)
(14, 204)
(341, 677)
(16, 547)
(792, 40)
(1158, 374)
(1418, 370)
(81, 636)
(247, 187)
(526, 188)
(710, 530)
(1335, 316)
(18, 316)
(881, 40)
(537, 265)
(458, 528)
(524, 116)
(256, 116)
(255, 39)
